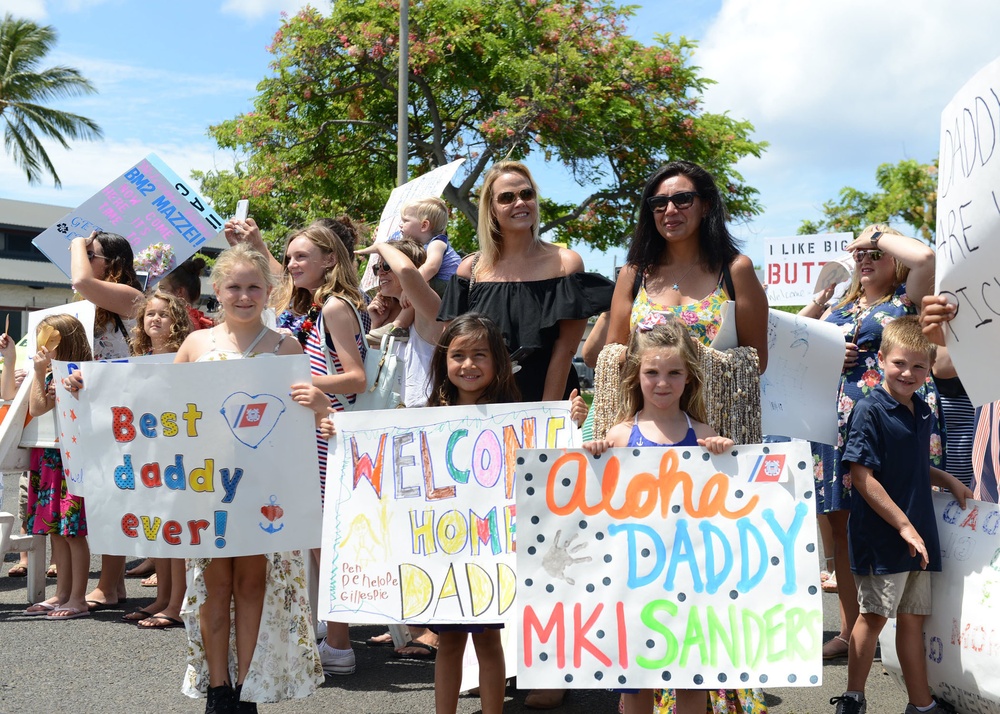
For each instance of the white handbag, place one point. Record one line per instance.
(382, 373)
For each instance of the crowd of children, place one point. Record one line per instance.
(248, 619)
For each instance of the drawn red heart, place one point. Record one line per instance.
(272, 512)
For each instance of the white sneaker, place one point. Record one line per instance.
(336, 661)
(320, 631)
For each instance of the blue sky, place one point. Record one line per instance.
(835, 88)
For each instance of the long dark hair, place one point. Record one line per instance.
(187, 277)
(119, 268)
(474, 325)
(718, 247)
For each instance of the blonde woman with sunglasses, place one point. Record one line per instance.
(892, 274)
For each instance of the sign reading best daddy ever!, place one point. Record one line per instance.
(420, 515)
(147, 204)
(652, 567)
(199, 460)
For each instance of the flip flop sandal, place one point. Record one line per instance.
(832, 648)
(40, 608)
(137, 615)
(18, 571)
(380, 640)
(150, 582)
(161, 622)
(97, 606)
(429, 654)
(51, 572)
(73, 613)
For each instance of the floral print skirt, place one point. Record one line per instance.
(51, 509)
(285, 662)
(721, 701)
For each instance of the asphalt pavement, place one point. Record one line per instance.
(100, 664)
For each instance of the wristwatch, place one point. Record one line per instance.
(875, 238)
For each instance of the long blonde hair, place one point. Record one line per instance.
(340, 279)
(490, 239)
(855, 291)
(670, 334)
(240, 254)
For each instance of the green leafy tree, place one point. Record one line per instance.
(24, 88)
(907, 193)
(558, 80)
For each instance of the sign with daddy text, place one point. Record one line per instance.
(420, 514)
(968, 230)
(147, 204)
(199, 460)
(668, 567)
(961, 637)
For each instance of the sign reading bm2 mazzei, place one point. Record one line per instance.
(147, 204)
(653, 567)
(182, 464)
(420, 514)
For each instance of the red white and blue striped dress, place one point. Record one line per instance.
(313, 347)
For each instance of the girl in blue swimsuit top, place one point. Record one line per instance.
(661, 406)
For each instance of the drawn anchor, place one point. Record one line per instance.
(272, 512)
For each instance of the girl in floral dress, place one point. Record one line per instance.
(892, 274)
(248, 618)
(52, 511)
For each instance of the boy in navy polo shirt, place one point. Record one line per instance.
(892, 532)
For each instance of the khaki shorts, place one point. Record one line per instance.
(887, 595)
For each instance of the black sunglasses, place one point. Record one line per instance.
(875, 255)
(508, 197)
(680, 200)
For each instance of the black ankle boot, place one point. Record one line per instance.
(220, 700)
(241, 706)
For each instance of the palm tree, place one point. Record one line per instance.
(23, 89)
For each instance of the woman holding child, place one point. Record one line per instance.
(892, 274)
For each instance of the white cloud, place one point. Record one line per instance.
(27, 9)
(89, 166)
(838, 88)
(256, 9)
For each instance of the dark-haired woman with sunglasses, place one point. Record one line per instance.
(892, 274)
(683, 262)
(535, 291)
(101, 266)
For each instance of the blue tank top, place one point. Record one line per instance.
(635, 437)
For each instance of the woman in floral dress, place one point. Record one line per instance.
(892, 274)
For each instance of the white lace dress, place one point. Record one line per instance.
(285, 662)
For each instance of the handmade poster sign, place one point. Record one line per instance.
(69, 421)
(798, 389)
(428, 185)
(804, 362)
(794, 264)
(968, 226)
(961, 638)
(161, 215)
(199, 460)
(420, 515)
(657, 567)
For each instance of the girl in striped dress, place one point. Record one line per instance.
(322, 306)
